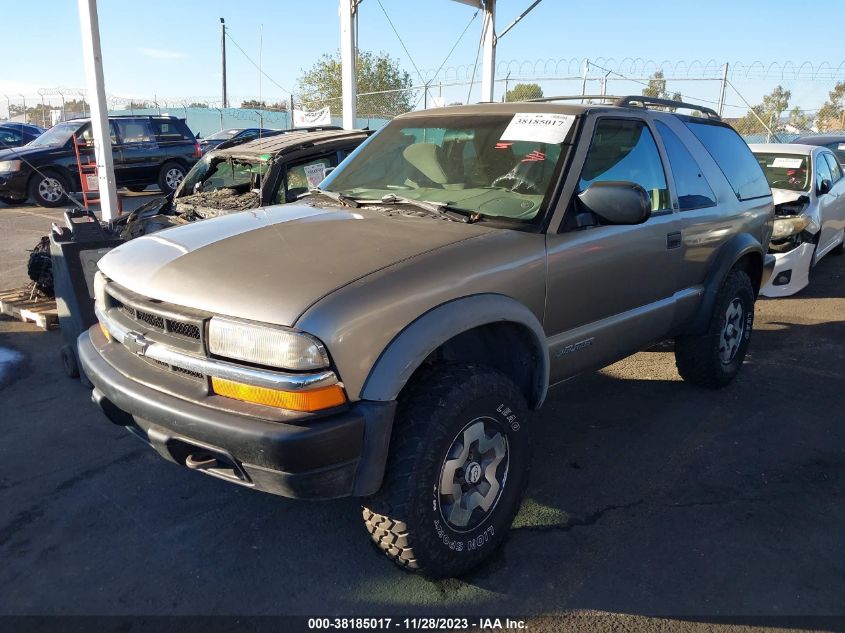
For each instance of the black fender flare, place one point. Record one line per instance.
(408, 349)
(727, 256)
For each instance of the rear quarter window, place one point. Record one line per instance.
(734, 158)
(171, 131)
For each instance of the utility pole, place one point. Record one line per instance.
(348, 55)
(584, 82)
(488, 33)
(722, 91)
(93, 59)
(223, 50)
(24, 107)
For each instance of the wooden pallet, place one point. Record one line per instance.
(40, 310)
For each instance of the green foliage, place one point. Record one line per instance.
(799, 119)
(138, 105)
(253, 104)
(523, 92)
(770, 110)
(832, 114)
(197, 104)
(321, 85)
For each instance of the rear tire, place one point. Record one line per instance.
(136, 188)
(456, 472)
(69, 363)
(714, 358)
(48, 189)
(170, 177)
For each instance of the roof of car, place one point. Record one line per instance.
(566, 105)
(289, 139)
(784, 148)
(821, 139)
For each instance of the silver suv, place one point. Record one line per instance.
(388, 335)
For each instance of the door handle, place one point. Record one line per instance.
(673, 240)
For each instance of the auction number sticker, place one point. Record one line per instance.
(787, 163)
(541, 127)
(315, 174)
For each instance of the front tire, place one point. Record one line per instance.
(48, 189)
(456, 473)
(170, 177)
(714, 358)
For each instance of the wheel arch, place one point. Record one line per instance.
(742, 251)
(470, 329)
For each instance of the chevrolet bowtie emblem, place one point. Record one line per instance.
(135, 343)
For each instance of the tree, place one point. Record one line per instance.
(253, 104)
(799, 119)
(770, 110)
(656, 88)
(137, 105)
(197, 104)
(523, 92)
(376, 73)
(832, 114)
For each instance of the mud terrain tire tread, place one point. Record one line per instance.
(697, 357)
(392, 517)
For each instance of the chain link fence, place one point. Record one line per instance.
(779, 115)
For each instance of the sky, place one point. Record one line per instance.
(171, 49)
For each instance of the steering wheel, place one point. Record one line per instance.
(514, 183)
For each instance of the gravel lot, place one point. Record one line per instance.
(652, 505)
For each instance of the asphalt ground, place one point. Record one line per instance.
(653, 505)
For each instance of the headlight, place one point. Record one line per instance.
(100, 290)
(269, 345)
(790, 225)
(10, 165)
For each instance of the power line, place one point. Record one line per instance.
(399, 37)
(249, 59)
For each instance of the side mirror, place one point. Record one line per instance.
(825, 186)
(198, 136)
(617, 202)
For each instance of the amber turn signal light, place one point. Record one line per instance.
(308, 401)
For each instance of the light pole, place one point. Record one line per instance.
(24, 108)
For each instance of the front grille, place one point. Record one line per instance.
(173, 326)
(153, 320)
(180, 328)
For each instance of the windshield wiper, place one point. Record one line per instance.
(442, 209)
(343, 200)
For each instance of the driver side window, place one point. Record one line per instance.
(822, 171)
(624, 150)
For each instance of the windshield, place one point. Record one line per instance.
(499, 165)
(212, 173)
(222, 135)
(57, 135)
(786, 171)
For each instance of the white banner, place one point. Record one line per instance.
(304, 118)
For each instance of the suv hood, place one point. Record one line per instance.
(14, 153)
(271, 264)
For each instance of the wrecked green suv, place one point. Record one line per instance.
(387, 336)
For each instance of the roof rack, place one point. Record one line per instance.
(574, 98)
(644, 102)
(635, 101)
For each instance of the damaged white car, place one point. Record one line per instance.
(809, 193)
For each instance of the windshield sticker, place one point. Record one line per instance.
(787, 163)
(315, 174)
(541, 127)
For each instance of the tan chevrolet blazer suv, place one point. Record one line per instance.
(388, 335)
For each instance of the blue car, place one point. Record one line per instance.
(14, 134)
